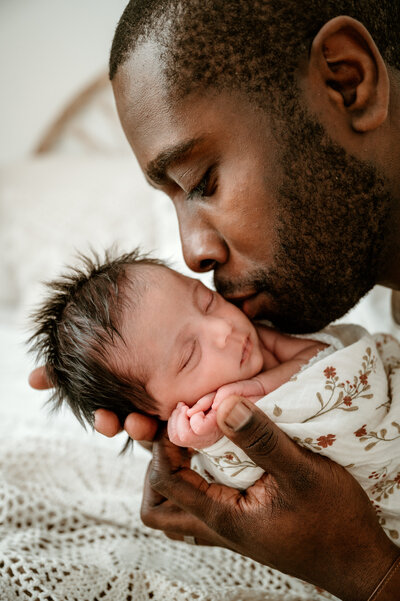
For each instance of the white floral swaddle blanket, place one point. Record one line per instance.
(345, 405)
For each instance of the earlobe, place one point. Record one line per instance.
(347, 69)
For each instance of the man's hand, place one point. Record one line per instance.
(139, 427)
(38, 379)
(306, 516)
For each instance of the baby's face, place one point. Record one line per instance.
(191, 340)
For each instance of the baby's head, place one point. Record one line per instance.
(78, 335)
(132, 334)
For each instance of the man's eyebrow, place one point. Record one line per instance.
(156, 169)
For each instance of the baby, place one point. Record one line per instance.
(132, 334)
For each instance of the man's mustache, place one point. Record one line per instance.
(244, 287)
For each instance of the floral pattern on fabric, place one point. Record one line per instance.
(343, 394)
(345, 406)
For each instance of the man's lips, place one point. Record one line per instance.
(239, 299)
(254, 305)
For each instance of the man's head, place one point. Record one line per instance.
(211, 97)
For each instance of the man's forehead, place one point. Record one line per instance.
(158, 125)
(141, 74)
(141, 94)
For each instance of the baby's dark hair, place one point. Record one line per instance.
(79, 323)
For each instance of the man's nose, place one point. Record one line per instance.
(202, 246)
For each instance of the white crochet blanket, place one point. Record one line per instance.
(69, 517)
(345, 405)
(70, 530)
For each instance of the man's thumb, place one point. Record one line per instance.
(251, 430)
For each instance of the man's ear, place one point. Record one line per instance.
(347, 69)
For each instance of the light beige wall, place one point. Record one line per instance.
(49, 49)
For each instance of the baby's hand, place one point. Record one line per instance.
(251, 389)
(192, 427)
(197, 427)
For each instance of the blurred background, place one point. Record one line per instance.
(50, 50)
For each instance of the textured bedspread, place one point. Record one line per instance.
(69, 517)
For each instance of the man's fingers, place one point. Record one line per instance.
(270, 448)
(141, 427)
(172, 478)
(38, 379)
(220, 510)
(160, 513)
(106, 423)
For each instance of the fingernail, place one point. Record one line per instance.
(238, 417)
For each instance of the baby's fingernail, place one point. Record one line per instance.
(239, 416)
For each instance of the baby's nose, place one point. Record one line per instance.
(222, 329)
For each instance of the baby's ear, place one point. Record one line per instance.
(347, 71)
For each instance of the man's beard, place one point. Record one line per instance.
(332, 221)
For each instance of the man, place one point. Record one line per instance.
(274, 128)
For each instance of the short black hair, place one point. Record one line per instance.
(79, 323)
(249, 45)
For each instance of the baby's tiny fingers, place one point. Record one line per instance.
(222, 394)
(196, 422)
(202, 404)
